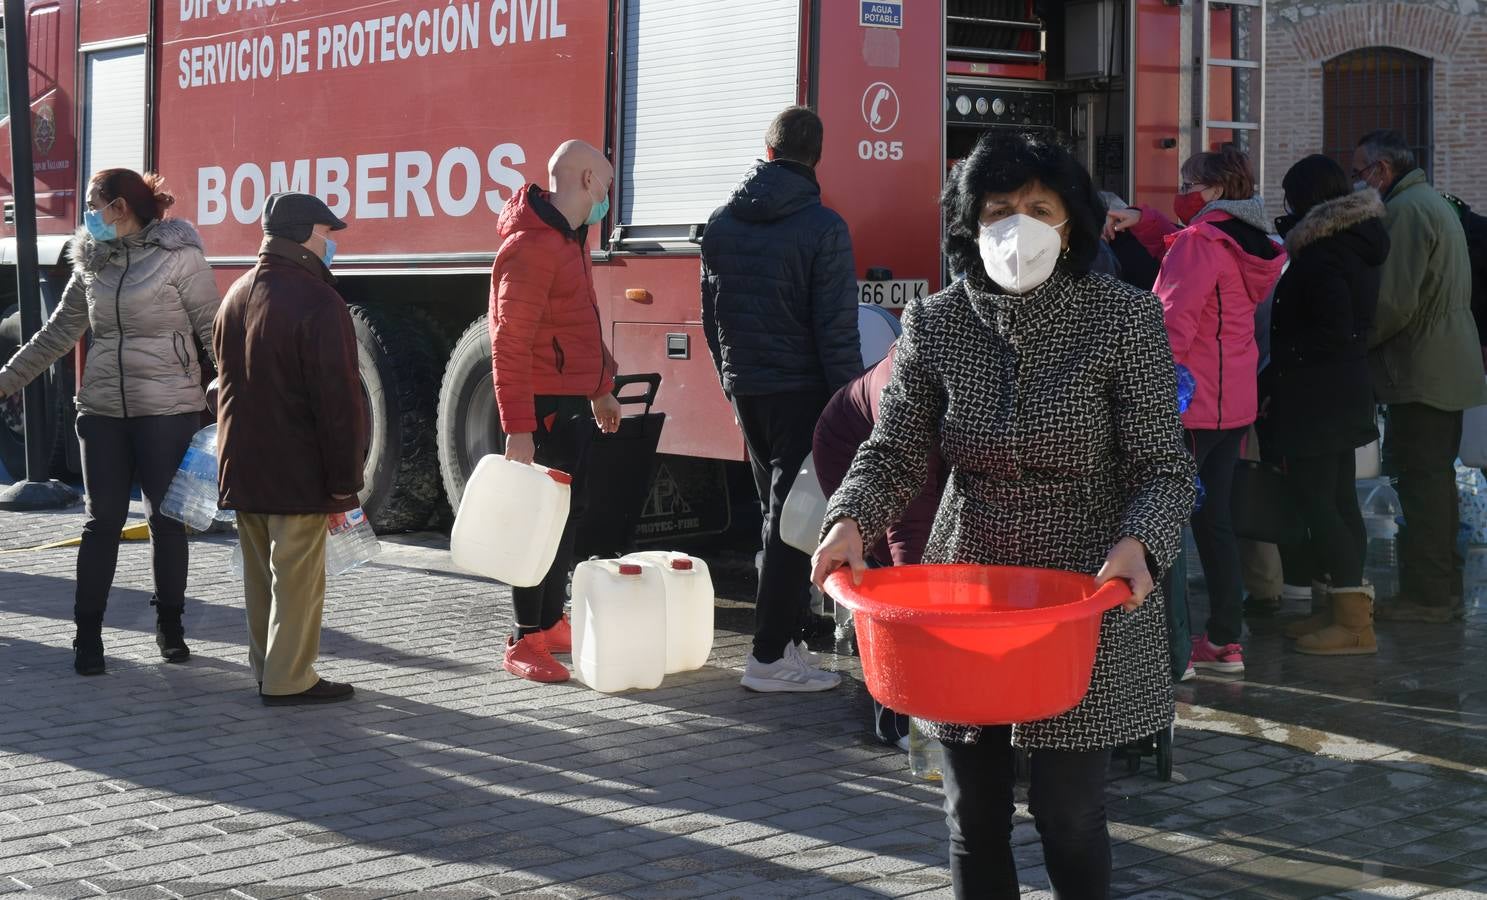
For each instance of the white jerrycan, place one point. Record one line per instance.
(689, 607)
(804, 510)
(510, 521)
(619, 625)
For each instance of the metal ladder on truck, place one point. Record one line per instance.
(1226, 43)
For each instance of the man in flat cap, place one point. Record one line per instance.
(291, 438)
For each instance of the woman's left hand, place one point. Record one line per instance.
(1127, 559)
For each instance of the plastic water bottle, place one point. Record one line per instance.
(192, 496)
(926, 756)
(349, 541)
(235, 564)
(1381, 521)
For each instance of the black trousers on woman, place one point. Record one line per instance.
(1216, 452)
(1324, 489)
(1067, 799)
(115, 453)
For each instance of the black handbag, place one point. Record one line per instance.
(1262, 507)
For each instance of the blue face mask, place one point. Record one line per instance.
(598, 212)
(99, 229)
(330, 252)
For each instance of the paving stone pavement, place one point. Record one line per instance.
(1356, 778)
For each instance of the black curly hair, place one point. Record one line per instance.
(1002, 162)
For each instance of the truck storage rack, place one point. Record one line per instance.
(993, 31)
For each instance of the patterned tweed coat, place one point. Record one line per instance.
(1057, 413)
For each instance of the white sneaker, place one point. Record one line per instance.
(811, 657)
(789, 673)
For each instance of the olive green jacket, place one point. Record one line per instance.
(1424, 345)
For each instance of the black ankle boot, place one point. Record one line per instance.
(170, 635)
(87, 648)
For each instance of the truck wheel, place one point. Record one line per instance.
(399, 371)
(469, 426)
(13, 411)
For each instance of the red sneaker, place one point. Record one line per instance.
(529, 658)
(560, 636)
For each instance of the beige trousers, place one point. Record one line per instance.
(1259, 564)
(284, 586)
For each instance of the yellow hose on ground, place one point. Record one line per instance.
(136, 532)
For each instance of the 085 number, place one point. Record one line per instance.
(880, 150)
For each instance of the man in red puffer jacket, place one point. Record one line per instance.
(553, 374)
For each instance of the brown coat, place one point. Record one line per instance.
(291, 418)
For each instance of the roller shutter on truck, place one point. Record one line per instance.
(701, 82)
(115, 110)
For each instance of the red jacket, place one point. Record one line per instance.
(546, 337)
(1210, 285)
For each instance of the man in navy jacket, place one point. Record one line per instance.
(779, 298)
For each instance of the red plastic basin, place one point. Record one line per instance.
(983, 645)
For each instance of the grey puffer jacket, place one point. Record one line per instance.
(148, 297)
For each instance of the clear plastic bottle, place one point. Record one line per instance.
(192, 495)
(349, 541)
(1381, 520)
(926, 755)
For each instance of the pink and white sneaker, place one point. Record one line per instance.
(1228, 659)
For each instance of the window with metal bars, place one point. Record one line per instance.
(1373, 88)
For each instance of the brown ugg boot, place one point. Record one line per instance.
(1351, 631)
(1321, 613)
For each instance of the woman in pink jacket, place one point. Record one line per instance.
(1215, 272)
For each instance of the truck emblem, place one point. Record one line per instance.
(880, 107)
(44, 130)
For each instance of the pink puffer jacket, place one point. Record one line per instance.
(1215, 273)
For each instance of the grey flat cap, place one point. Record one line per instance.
(293, 216)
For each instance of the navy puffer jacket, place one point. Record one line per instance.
(779, 288)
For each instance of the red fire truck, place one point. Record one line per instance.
(417, 119)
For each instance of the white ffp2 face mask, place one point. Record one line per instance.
(1020, 252)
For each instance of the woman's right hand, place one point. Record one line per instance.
(841, 547)
(1117, 220)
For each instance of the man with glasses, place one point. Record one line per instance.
(1427, 367)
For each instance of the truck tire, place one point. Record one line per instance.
(12, 411)
(469, 425)
(399, 369)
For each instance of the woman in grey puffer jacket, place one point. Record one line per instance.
(141, 283)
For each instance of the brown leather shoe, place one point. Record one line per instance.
(1407, 611)
(321, 691)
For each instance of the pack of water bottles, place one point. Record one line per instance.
(192, 495)
(349, 542)
(1471, 489)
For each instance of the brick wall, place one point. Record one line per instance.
(1302, 36)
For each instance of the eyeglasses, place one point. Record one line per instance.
(1187, 187)
(1360, 174)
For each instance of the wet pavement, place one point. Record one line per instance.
(1308, 777)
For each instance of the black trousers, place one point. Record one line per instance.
(1216, 452)
(1067, 800)
(778, 429)
(115, 453)
(1325, 491)
(1420, 447)
(565, 431)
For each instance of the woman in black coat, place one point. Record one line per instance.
(1320, 404)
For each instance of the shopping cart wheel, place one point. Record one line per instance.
(1164, 753)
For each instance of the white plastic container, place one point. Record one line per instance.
(619, 625)
(689, 607)
(510, 521)
(804, 510)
